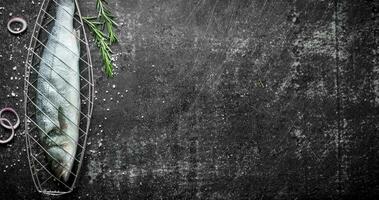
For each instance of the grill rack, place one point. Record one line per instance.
(44, 179)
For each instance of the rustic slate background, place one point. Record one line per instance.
(221, 99)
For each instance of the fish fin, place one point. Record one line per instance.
(61, 119)
(77, 36)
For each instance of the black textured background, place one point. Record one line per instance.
(220, 99)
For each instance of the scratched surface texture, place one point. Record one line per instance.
(220, 99)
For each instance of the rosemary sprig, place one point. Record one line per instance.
(102, 28)
(106, 16)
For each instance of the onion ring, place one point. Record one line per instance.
(17, 20)
(10, 125)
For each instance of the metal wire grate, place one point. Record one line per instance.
(44, 179)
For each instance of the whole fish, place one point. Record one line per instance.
(58, 96)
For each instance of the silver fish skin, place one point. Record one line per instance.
(58, 99)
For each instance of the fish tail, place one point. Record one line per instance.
(66, 2)
(68, 6)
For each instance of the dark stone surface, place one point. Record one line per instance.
(221, 99)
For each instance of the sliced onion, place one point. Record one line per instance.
(2, 120)
(10, 126)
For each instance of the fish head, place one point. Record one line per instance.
(61, 161)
